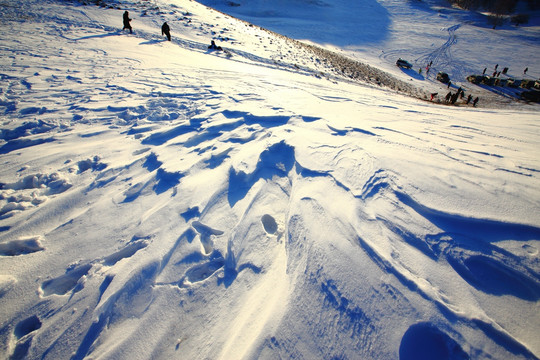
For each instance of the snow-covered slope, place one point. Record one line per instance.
(160, 200)
(378, 32)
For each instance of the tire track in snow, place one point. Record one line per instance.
(442, 57)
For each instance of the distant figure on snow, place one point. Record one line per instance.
(469, 98)
(433, 95)
(475, 101)
(484, 72)
(165, 30)
(127, 21)
(525, 71)
(213, 46)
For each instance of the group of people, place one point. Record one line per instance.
(452, 98)
(504, 71)
(428, 67)
(495, 72)
(165, 29)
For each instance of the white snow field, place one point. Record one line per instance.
(160, 200)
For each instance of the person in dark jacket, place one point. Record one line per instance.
(213, 46)
(475, 101)
(165, 30)
(127, 21)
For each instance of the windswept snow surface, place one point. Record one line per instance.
(159, 200)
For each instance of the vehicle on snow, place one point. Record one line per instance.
(475, 79)
(489, 81)
(443, 77)
(403, 64)
(501, 82)
(514, 83)
(527, 84)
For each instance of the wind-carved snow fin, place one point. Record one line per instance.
(205, 234)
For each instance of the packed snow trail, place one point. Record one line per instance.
(159, 200)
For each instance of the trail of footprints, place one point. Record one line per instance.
(72, 280)
(32, 190)
(216, 261)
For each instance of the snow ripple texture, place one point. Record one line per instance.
(161, 200)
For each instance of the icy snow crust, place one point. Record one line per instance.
(160, 200)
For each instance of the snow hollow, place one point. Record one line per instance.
(294, 195)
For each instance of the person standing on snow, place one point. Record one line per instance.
(127, 21)
(165, 30)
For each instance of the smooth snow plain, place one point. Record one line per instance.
(161, 200)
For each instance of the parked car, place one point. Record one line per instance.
(527, 84)
(514, 83)
(475, 79)
(403, 64)
(489, 81)
(443, 77)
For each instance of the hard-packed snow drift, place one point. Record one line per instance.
(159, 199)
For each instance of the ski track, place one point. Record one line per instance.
(267, 280)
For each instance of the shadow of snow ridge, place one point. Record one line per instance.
(277, 160)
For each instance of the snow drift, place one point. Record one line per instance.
(161, 200)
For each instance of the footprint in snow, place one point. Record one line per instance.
(426, 341)
(21, 247)
(65, 283)
(205, 234)
(128, 251)
(24, 334)
(202, 272)
(269, 223)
